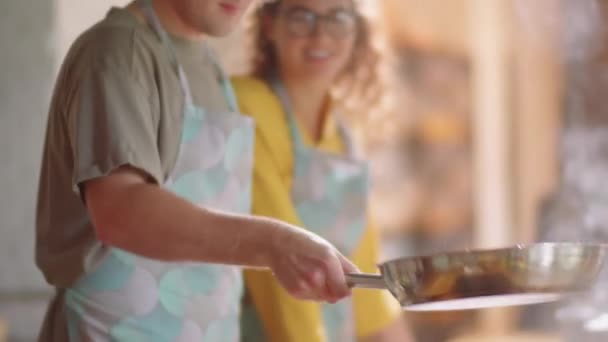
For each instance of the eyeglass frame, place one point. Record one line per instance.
(318, 19)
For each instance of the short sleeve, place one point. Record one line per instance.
(112, 124)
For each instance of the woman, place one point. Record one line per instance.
(305, 170)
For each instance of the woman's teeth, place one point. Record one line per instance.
(318, 54)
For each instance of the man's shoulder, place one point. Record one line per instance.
(116, 42)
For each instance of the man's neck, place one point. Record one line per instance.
(169, 19)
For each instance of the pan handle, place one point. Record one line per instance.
(366, 280)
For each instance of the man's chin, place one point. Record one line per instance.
(221, 31)
(220, 34)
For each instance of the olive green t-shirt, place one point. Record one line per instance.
(117, 102)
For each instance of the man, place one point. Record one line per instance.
(145, 187)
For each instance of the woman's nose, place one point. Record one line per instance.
(320, 33)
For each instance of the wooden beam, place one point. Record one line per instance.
(492, 138)
(491, 123)
(537, 120)
(3, 331)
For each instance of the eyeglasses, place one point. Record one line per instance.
(302, 22)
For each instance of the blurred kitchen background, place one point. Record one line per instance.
(497, 134)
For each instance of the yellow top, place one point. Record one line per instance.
(285, 318)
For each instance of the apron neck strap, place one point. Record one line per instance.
(154, 22)
(277, 86)
(229, 93)
(279, 89)
(347, 138)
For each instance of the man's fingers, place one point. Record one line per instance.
(336, 279)
(347, 265)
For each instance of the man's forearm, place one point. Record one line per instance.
(147, 220)
(142, 218)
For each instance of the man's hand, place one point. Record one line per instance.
(309, 267)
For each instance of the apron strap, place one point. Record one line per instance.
(227, 88)
(346, 137)
(279, 89)
(154, 22)
(281, 92)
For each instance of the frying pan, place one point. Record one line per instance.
(475, 279)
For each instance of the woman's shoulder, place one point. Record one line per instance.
(253, 91)
(248, 82)
(258, 100)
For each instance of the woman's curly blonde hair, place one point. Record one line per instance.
(360, 92)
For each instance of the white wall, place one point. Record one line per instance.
(72, 17)
(35, 36)
(27, 67)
